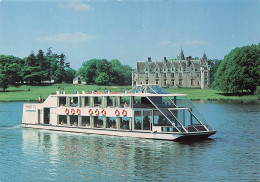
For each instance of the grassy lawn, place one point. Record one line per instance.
(31, 93)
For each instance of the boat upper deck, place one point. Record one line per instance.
(138, 91)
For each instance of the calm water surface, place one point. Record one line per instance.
(233, 154)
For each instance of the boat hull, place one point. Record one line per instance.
(126, 133)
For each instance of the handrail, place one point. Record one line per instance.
(198, 119)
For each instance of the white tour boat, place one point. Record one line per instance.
(146, 111)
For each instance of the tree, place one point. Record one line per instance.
(103, 72)
(239, 71)
(9, 71)
(60, 73)
(102, 79)
(214, 64)
(70, 74)
(88, 71)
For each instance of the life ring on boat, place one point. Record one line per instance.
(124, 113)
(117, 112)
(67, 111)
(90, 112)
(72, 111)
(78, 111)
(103, 112)
(96, 112)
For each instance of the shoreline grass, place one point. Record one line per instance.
(27, 93)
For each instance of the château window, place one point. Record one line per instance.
(157, 75)
(180, 82)
(172, 82)
(164, 82)
(172, 75)
(164, 74)
(146, 82)
(192, 82)
(156, 81)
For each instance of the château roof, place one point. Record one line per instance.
(185, 64)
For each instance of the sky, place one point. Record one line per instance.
(126, 30)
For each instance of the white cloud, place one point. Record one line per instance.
(66, 37)
(77, 5)
(195, 42)
(165, 43)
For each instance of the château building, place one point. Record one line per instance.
(181, 72)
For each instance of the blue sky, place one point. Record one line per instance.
(128, 30)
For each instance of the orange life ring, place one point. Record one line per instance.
(72, 111)
(124, 113)
(117, 112)
(90, 112)
(78, 111)
(103, 112)
(67, 111)
(96, 112)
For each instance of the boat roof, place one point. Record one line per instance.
(138, 90)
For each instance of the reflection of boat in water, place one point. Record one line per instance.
(146, 111)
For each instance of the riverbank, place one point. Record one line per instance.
(27, 93)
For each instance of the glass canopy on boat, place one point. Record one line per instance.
(153, 89)
(173, 113)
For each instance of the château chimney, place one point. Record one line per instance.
(149, 59)
(164, 59)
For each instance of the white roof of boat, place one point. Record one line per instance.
(119, 94)
(138, 90)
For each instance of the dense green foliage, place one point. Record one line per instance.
(214, 64)
(103, 72)
(239, 71)
(34, 69)
(10, 71)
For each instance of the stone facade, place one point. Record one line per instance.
(182, 72)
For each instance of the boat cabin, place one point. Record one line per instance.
(145, 108)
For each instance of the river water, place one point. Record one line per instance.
(233, 154)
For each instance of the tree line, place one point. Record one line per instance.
(34, 69)
(49, 67)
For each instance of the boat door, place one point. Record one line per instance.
(143, 120)
(39, 116)
(46, 117)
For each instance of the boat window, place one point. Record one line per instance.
(62, 101)
(125, 102)
(98, 121)
(111, 102)
(111, 122)
(142, 102)
(62, 120)
(138, 120)
(74, 120)
(159, 119)
(147, 119)
(142, 120)
(73, 101)
(97, 101)
(86, 121)
(84, 101)
(125, 123)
